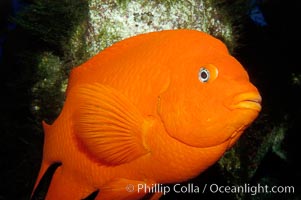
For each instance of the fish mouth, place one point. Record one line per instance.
(250, 100)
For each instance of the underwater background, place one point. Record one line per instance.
(40, 42)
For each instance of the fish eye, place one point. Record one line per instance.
(204, 75)
(208, 73)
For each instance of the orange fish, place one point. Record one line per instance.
(152, 109)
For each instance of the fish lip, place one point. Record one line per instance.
(248, 100)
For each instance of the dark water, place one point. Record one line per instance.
(271, 53)
(8, 9)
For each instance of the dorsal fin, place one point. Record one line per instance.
(108, 125)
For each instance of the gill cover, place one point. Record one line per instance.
(183, 109)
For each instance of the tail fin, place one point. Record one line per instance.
(43, 169)
(44, 165)
(44, 180)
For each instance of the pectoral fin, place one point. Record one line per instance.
(108, 125)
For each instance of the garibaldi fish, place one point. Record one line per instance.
(156, 108)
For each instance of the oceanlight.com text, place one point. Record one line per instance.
(211, 188)
(250, 189)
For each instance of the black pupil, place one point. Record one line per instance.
(204, 75)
